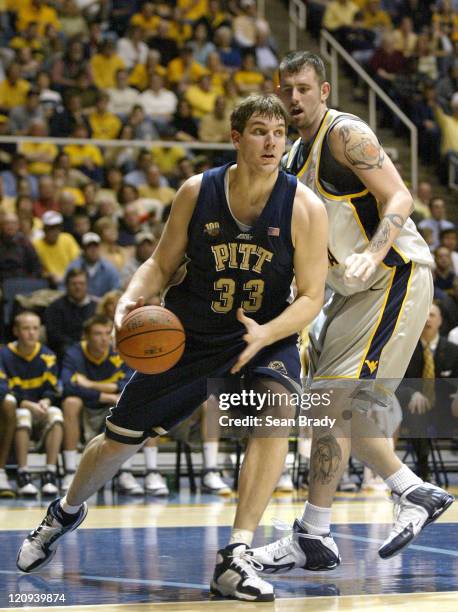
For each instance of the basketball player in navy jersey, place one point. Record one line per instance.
(235, 238)
(379, 270)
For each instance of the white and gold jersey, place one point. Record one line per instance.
(353, 212)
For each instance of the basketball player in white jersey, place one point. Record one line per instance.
(379, 270)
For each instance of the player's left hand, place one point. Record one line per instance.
(256, 338)
(360, 266)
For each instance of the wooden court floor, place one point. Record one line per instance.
(145, 555)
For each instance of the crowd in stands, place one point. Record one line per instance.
(410, 48)
(84, 216)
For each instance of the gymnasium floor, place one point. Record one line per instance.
(137, 556)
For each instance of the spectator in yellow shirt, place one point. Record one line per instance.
(248, 78)
(448, 125)
(405, 39)
(192, 10)
(13, 89)
(56, 249)
(40, 155)
(219, 74)
(376, 19)
(29, 38)
(146, 18)
(105, 64)
(338, 19)
(183, 70)
(167, 158)
(86, 157)
(216, 126)
(201, 97)
(39, 12)
(154, 188)
(104, 125)
(141, 74)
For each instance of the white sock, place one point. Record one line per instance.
(316, 520)
(67, 508)
(150, 454)
(241, 536)
(70, 460)
(127, 465)
(402, 480)
(51, 468)
(210, 453)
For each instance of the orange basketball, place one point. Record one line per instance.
(151, 339)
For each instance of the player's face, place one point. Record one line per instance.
(98, 339)
(304, 97)
(262, 143)
(27, 330)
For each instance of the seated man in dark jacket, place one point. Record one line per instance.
(65, 317)
(427, 392)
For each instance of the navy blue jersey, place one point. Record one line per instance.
(28, 377)
(227, 268)
(110, 368)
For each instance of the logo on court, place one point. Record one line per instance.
(372, 365)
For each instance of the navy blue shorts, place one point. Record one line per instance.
(150, 405)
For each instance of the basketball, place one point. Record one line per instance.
(151, 339)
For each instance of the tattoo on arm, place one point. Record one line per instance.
(382, 235)
(361, 148)
(326, 460)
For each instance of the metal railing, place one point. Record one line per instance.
(297, 21)
(140, 144)
(331, 50)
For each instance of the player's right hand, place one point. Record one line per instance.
(126, 305)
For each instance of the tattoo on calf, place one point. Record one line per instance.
(361, 148)
(326, 459)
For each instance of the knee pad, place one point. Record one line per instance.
(54, 416)
(23, 418)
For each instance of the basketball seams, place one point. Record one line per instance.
(150, 331)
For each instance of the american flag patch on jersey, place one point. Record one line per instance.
(273, 231)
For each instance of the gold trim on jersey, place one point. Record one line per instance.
(382, 311)
(106, 381)
(32, 383)
(13, 348)
(90, 357)
(309, 156)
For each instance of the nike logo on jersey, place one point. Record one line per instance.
(244, 237)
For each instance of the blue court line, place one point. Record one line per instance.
(183, 585)
(440, 551)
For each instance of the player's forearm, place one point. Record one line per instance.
(395, 214)
(149, 280)
(294, 318)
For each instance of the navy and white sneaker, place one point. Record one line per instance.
(419, 506)
(40, 546)
(300, 549)
(235, 576)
